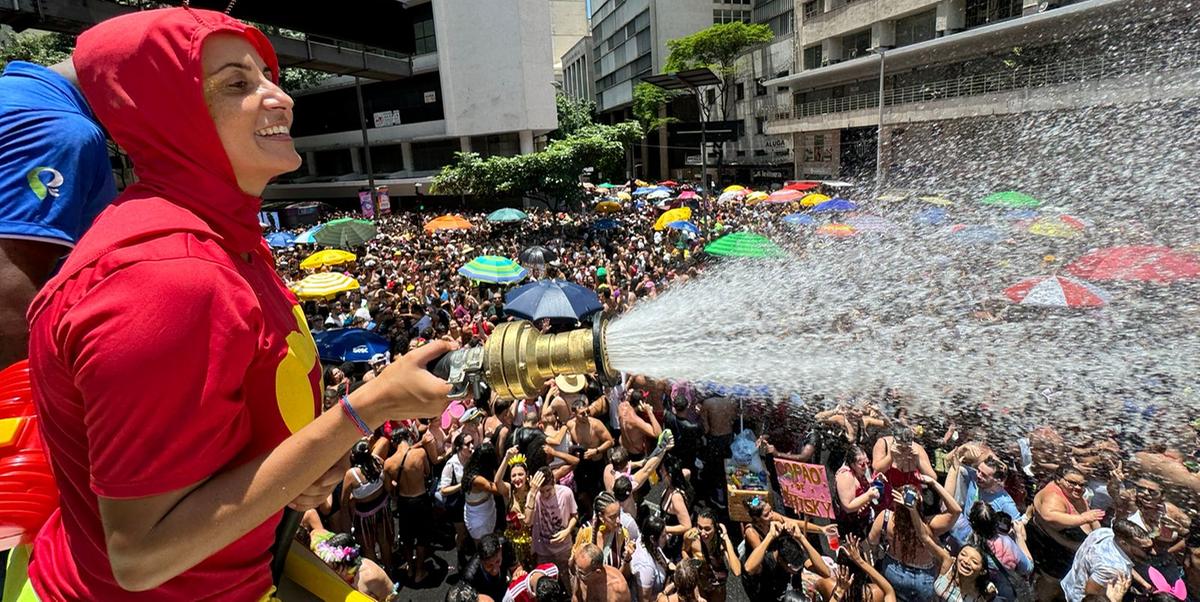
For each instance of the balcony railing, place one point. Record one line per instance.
(1049, 74)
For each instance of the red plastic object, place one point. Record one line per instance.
(27, 491)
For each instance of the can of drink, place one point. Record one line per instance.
(835, 540)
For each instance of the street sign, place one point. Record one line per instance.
(714, 131)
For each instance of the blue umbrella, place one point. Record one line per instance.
(688, 227)
(834, 206)
(554, 299)
(1020, 214)
(281, 239)
(644, 190)
(606, 224)
(349, 345)
(799, 219)
(931, 217)
(306, 238)
(976, 235)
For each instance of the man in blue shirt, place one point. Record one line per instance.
(55, 177)
(983, 482)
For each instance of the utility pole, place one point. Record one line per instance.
(362, 121)
(879, 132)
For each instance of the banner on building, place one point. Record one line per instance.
(805, 487)
(368, 205)
(385, 203)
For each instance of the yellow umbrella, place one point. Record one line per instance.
(935, 200)
(326, 258)
(624, 196)
(812, 200)
(1062, 226)
(733, 188)
(324, 285)
(681, 214)
(757, 196)
(608, 207)
(640, 183)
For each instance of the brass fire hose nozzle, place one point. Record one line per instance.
(517, 360)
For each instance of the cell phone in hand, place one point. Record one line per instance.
(910, 497)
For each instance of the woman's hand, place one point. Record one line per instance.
(405, 389)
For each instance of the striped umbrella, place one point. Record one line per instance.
(493, 269)
(743, 244)
(327, 257)
(1056, 291)
(325, 285)
(345, 233)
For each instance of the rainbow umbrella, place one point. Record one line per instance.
(743, 244)
(1010, 198)
(327, 257)
(1056, 291)
(493, 269)
(325, 285)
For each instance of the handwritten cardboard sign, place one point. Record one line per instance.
(805, 487)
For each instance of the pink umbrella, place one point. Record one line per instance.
(784, 196)
(687, 194)
(1141, 263)
(1056, 291)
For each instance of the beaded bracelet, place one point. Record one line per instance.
(348, 410)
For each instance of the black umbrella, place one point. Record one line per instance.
(537, 256)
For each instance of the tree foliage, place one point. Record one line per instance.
(716, 47)
(295, 79)
(550, 175)
(648, 100)
(574, 114)
(41, 47)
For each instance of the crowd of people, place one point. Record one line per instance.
(593, 492)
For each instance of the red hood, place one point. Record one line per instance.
(142, 76)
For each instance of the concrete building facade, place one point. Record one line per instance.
(579, 79)
(949, 60)
(492, 94)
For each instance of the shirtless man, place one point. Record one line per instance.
(716, 416)
(404, 476)
(639, 427)
(588, 433)
(593, 580)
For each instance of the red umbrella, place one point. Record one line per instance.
(669, 183)
(1142, 263)
(1056, 291)
(784, 196)
(802, 186)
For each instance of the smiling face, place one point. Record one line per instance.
(253, 116)
(969, 562)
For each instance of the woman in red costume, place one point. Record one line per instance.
(178, 385)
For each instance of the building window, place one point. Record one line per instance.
(856, 44)
(729, 16)
(811, 8)
(916, 28)
(982, 12)
(741, 91)
(424, 39)
(760, 125)
(759, 89)
(812, 57)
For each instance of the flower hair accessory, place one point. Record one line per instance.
(334, 555)
(517, 459)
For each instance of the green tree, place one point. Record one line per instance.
(574, 114)
(550, 176)
(718, 48)
(41, 47)
(295, 79)
(648, 101)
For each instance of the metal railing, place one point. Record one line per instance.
(1036, 76)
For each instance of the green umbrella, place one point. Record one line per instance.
(607, 185)
(507, 215)
(743, 244)
(1010, 198)
(345, 233)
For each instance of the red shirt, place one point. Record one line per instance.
(167, 349)
(519, 591)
